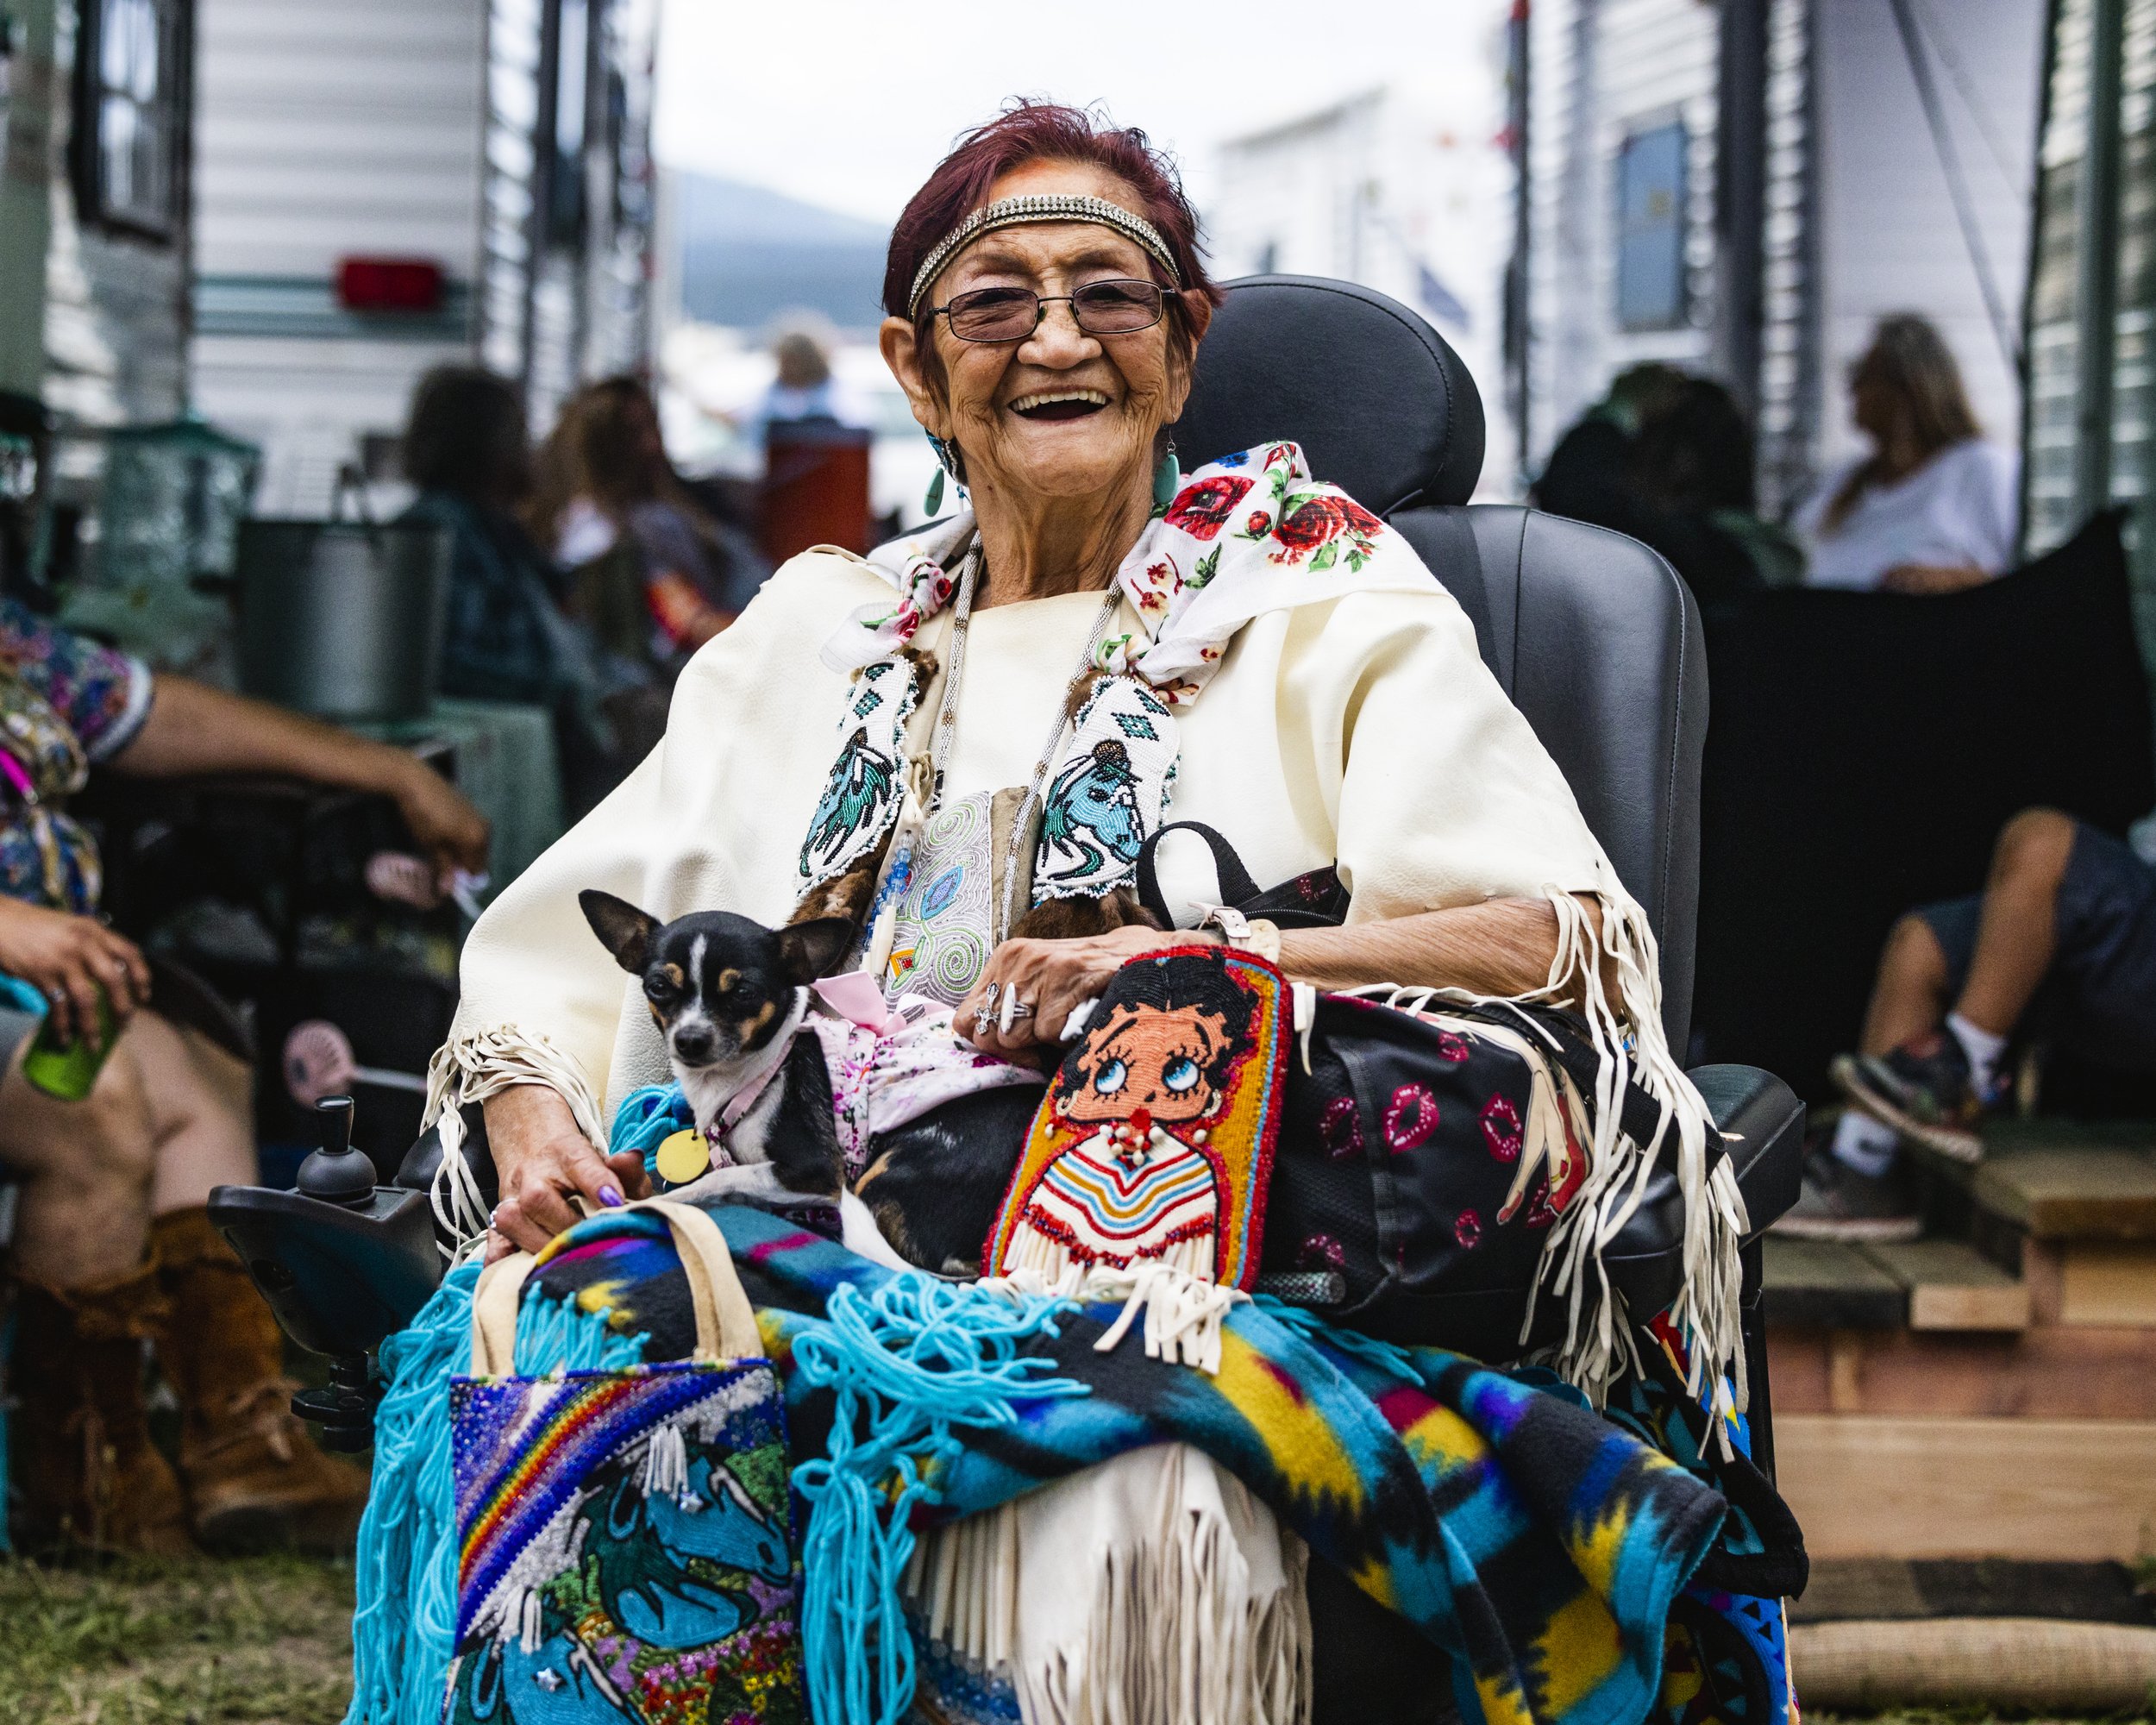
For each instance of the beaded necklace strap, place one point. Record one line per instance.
(1010, 212)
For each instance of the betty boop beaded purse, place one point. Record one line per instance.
(1156, 1139)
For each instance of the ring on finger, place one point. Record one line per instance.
(989, 996)
(1014, 1010)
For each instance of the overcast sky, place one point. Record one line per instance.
(849, 103)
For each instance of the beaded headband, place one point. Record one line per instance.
(1010, 212)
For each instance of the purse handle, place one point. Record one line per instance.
(725, 1322)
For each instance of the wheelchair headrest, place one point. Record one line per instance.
(1382, 406)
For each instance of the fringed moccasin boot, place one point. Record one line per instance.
(254, 1476)
(86, 1473)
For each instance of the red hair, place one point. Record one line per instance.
(1029, 131)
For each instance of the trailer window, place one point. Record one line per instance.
(1650, 229)
(130, 115)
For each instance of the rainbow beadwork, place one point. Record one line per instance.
(625, 1549)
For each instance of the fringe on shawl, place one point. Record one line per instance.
(1177, 1628)
(1182, 1310)
(469, 1069)
(1631, 1047)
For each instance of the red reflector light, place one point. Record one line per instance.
(389, 284)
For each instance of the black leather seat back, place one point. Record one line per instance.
(1382, 406)
(1591, 635)
(1598, 643)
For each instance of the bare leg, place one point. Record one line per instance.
(201, 1100)
(1910, 997)
(86, 1169)
(2018, 934)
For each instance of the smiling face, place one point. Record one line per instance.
(1062, 413)
(1143, 1057)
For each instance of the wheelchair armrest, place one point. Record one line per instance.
(339, 1277)
(1762, 1122)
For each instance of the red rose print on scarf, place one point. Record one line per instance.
(1201, 510)
(1156, 585)
(1320, 523)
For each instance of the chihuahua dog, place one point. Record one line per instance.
(729, 995)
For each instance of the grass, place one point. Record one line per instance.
(266, 1641)
(1958, 1715)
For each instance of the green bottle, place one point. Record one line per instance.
(68, 1069)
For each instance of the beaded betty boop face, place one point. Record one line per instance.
(1161, 1062)
(1165, 1047)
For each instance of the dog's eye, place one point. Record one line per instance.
(659, 988)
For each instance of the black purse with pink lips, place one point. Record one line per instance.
(1396, 1207)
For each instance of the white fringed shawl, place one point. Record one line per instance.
(1362, 730)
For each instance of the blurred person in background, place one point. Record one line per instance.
(1934, 508)
(1589, 475)
(803, 391)
(1667, 458)
(652, 572)
(2060, 944)
(510, 637)
(112, 1246)
(1692, 472)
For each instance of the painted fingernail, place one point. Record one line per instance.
(610, 1197)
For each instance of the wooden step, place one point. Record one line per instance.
(2059, 1180)
(2055, 1370)
(1889, 1590)
(1921, 1285)
(1951, 1288)
(1826, 1285)
(2082, 1491)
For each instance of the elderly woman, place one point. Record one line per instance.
(1093, 635)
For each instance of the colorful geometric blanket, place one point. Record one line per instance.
(1539, 1544)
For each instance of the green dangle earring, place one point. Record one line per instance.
(1167, 479)
(934, 500)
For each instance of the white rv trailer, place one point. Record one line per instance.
(1742, 189)
(386, 185)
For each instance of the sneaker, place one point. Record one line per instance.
(1838, 1204)
(1922, 1089)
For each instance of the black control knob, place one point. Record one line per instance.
(336, 1173)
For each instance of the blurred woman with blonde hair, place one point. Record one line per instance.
(1934, 508)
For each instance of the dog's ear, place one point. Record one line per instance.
(812, 948)
(622, 929)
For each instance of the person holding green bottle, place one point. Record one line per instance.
(116, 1121)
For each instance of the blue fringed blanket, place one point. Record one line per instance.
(1535, 1543)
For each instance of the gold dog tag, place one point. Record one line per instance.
(683, 1156)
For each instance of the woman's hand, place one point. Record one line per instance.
(544, 1163)
(70, 958)
(1051, 977)
(452, 832)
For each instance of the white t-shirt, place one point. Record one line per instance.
(1960, 508)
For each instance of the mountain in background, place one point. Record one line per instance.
(749, 254)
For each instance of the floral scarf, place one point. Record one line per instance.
(1249, 533)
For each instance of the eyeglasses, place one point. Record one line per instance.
(1011, 314)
